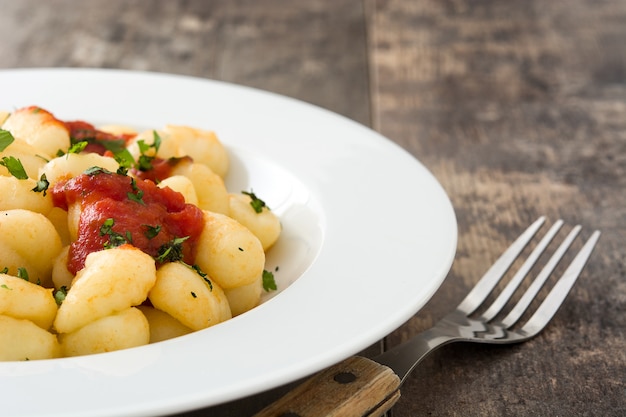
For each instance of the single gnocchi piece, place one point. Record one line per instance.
(21, 299)
(202, 145)
(190, 298)
(125, 329)
(39, 128)
(162, 325)
(34, 238)
(210, 189)
(244, 298)
(229, 252)
(23, 340)
(265, 225)
(111, 281)
(19, 194)
(73, 164)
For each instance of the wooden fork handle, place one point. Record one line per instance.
(353, 388)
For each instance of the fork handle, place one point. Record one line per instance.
(355, 387)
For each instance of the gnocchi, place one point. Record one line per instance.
(34, 342)
(121, 330)
(113, 238)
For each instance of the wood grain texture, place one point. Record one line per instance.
(312, 50)
(354, 387)
(517, 106)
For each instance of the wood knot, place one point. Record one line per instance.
(344, 377)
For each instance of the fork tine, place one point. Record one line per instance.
(555, 298)
(517, 279)
(481, 290)
(536, 285)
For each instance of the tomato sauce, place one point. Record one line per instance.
(98, 141)
(117, 209)
(160, 168)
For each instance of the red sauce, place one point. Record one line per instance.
(98, 141)
(161, 168)
(106, 195)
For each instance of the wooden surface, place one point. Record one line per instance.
(518, 107)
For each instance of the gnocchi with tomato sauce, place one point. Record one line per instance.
(112, 238)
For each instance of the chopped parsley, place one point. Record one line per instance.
(138, 193)
(14, 166)
(59, 295)
(256, 203)
(125, 159)
(144, 162)
(6, 287)
(115, 239)
(171, 251)
(42, 185)
(269, 283)
(204, 276)
(95, 170)
(6, 138)
(151, 231)
(115, 146)
(22, 273)
(78, 147)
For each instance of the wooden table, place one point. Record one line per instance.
(517, 107)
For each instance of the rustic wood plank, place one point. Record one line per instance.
(314, 51)
(518, 108)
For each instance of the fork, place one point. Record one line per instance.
(361, 387)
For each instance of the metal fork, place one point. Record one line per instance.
(361, 387)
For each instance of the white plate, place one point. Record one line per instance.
(369, 235)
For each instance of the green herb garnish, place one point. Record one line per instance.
(171, 251)
(256, 203)
(42, 185)
(60, 294)
(138, 193)
(78, 147)
(204, 276)
(22, 273)
(269, 283)
(6, 138)
(115, 239)
(151, 231)
(125, 159)
(144, 162)
(15, 167)
(95, 170)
